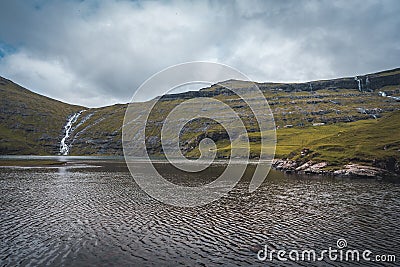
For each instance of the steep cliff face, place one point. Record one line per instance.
(368, 83)
(385, 80)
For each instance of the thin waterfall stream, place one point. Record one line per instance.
(64, 148)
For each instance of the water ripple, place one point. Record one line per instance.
(99, 217)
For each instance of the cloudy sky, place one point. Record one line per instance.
(97, 53)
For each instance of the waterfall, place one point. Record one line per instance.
(359, 83)
(64, 148)
(367, 83)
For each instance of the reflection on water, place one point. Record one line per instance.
(98, 216)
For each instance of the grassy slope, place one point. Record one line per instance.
(363, 141)
(30, 123)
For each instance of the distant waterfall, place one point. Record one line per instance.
(359, 83)
(367, 83)
(64, 148)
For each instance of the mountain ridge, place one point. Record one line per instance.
(34, 124)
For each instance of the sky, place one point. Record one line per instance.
(97, 53)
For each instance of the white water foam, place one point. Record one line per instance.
(64, 148)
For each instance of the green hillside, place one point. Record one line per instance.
(333, 119)
(30, 123)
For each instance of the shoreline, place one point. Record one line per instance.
(350, 170)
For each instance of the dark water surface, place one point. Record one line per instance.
(94, 214)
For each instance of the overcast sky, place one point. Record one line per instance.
(97, 53)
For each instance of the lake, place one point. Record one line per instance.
(92, 213)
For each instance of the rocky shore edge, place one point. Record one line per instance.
(350, 170)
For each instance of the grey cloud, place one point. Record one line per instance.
(98, 52)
